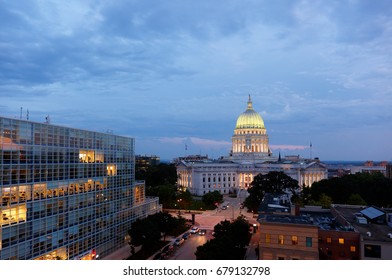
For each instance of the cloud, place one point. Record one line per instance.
(289, 147)
(209, 143)
(180, 68)
(195, 141)
(172, 140)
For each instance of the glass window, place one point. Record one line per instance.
(353, 249)
(294, 240)
(267, 238)
(329, 240)
(280, 239)
(308, 241)
(341, 241)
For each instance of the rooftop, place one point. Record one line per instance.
(369, 231)
(276, 208)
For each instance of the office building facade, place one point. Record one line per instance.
(66, 193)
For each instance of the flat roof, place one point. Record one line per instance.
(323, 220)
(378, 232)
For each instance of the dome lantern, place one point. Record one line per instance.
(250, 118)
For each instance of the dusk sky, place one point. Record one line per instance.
(175, 73)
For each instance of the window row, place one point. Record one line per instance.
(288, 240)
(217, 179)
(217, 186)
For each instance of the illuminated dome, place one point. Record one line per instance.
(250, 118)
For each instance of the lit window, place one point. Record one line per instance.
(341, 240)
(353, 249)
(294, 240)
(111, 170)
(280, 239)
(267, 238)
(329, 240)
(309, 242)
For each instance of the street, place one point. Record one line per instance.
(207, 221)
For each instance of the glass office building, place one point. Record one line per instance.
(66, 193)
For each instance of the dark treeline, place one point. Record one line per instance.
(374, 189)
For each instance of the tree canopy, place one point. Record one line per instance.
(211, 198)
(372, 189)
(148, 231)
(229, 242)
(272, 182)
(156, 175)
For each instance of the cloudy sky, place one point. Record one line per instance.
(175, 73)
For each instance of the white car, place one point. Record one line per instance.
(194, 230)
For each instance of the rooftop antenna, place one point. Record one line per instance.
(27, 114)
(186, 148)
(47, 119)
(21, 112)
(310, 150)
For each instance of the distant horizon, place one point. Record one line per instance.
(324, 161)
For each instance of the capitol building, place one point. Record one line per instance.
(250, 155)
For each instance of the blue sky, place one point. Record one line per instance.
(175, 73)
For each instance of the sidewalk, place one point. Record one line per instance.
(253, 244)
(121, 254)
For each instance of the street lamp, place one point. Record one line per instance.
(179, 206)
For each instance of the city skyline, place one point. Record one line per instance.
(176, 75)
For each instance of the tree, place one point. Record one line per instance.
(356, 199)
(221, 229)
(273, 182)
(166, 223)
(218, 249)
(166, 193)
(375, 188)
(325, 201)
(144, 232)
(239, 232)
(211, 198)
(184, 199)
(155, 175)
(229, 242)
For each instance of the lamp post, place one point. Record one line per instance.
(179, 206)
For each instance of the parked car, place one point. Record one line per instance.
(179, 241)
(167, 251)
(194, 230)
(202, 232)
(186, 235)
(224, 207)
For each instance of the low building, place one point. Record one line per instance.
(374, 226)
(388, 171)
(284, 237)
(143, 162)
(290, 232)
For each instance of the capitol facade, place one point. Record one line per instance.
(250, 155)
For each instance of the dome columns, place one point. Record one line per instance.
(250, 136)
